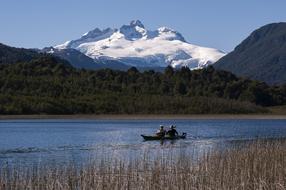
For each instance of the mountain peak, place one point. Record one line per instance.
(91, 36)
(96, 33)
(134, 30)
(172, 34)
(134, 45)
(135, 23)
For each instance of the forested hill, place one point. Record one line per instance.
(48, 85)
(261, 56)
(13, 55)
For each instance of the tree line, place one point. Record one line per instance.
(48, 85)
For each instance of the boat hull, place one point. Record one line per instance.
(154, 138)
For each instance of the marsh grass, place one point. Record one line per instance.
(257, 165)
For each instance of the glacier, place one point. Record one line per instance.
(134, 45)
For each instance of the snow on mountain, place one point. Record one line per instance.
(136, 46)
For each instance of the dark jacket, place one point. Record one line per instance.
(172, 132)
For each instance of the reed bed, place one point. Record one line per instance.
(256, 165)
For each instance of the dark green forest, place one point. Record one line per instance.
(48, 85)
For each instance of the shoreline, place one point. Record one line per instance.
(146, 117)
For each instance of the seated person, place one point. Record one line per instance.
(172, 131)
(161, 132)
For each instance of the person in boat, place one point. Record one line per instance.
(161, 132)
(172, 132)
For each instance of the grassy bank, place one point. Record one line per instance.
(278, 110)
(258, 165)
(269, 115)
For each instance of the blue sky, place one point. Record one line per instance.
(220, 24)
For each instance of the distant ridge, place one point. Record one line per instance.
(10, 55)
(261, 56)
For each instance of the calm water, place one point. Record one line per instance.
(64, 141)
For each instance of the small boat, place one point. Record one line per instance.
(154, 137)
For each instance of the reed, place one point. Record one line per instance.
(257, 165)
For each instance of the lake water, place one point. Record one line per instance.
(79, 141)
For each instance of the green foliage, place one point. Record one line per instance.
(48, 85)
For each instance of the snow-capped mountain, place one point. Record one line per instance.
(134, 45)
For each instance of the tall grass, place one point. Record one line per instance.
(256, 165)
